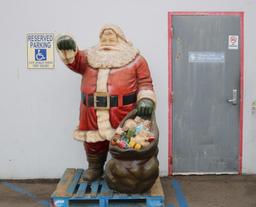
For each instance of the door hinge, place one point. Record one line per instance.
(170, 160)
(171, 97)
(171, 32)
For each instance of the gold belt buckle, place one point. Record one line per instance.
(96, 101)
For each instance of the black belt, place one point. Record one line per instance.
(101, 100)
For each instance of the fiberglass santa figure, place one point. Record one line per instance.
(115, 80)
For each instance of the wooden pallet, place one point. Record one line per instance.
(72, 191)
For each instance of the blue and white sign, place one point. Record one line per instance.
(40, 54)
(206, 57)
(40, 50)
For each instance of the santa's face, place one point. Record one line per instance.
(108, 39)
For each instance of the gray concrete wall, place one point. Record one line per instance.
(40, 108)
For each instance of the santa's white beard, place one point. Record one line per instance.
(111, 56)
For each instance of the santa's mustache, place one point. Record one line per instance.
(109, 47)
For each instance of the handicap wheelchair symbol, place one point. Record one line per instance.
(40, 54)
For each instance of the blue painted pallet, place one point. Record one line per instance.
(72, 191)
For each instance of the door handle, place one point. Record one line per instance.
(234, 98)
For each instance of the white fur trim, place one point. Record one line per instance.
(105, 132)
(88, 136)
(102, 80)
(116, 29)
(147, 94)
(105, 129)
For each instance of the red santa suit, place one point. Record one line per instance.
(118, 82)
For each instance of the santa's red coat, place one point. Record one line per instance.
(122, 81)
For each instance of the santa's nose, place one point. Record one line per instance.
(108, 43)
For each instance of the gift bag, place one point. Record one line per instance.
(133, 170)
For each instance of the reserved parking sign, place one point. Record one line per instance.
(40, 51)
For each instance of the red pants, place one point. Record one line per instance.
(97, 147)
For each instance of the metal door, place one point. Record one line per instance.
(205, 61)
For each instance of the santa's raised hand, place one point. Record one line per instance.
(67, 48)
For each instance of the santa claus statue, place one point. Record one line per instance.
(115, 80)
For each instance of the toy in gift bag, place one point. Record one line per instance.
(135, 134)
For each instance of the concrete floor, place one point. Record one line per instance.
(194, 191)
(212, 191)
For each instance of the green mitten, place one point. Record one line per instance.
(145, 107)
(66, 42)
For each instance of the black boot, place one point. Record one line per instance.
(95, 166)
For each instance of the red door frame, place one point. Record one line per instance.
(170, 85)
